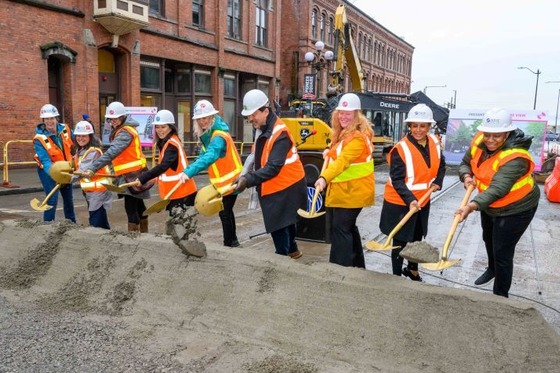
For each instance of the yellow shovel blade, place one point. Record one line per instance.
(157, 207)
(310, 214)
(376, 246)
(441, 265)
(38, 205)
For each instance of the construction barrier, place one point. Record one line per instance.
(6, 162)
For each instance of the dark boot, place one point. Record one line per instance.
(487, 276)
(144, 225)
(133, 227)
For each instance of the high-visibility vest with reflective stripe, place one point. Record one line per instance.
(226, 170)
(170, 177)
(132, 158)
(485, 171)
(292, 170)
(93, 184)
(55, 153)
(360, 167)
(418, 176)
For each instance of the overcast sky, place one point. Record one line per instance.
(475, 47)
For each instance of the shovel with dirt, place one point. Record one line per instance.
(376, 246)
(445, 262)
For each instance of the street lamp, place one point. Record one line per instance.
(537, 73)
(319, 60)
(433, 86)
(557, 103)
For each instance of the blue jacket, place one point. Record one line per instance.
(41, 152)
(215, 148)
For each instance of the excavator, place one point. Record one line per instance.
(313, 133)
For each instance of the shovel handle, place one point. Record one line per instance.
(77, 173)
(53, 191)
(409, 214)
(455, 223)
(172, 191)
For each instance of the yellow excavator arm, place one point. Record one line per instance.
(345, 53)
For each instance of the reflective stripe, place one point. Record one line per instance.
(355, 171)
(140, 162)
(409, 162)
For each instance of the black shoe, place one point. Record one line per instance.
(406, 273)
(234, 243)
(487, 276)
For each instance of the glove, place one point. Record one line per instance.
(87, 174)
(241, 184)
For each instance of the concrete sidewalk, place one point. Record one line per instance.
(21, 180)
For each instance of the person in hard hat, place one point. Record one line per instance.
(172, 161)
(220, 158)
(128, 161)
(350, 179)
(278, 173)
(86, 150)
(52, 143)
(416, 165)
(499, 164)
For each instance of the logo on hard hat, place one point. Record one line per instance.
(345, 103)
(88, 127)
(111, 112)
(157, 119)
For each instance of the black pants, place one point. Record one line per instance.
(501, 234)
(182, 203)
(228, 219)
(346, 243)
(396, 260)
(134, 208)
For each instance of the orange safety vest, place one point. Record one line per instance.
(418, 176)
(170, 177)
(55, 153)
(485, 171)
(226, 170)
(93, 184)
(292, 170)
(131, 159)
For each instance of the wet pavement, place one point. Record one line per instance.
(536, 260)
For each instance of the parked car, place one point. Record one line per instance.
(552, 136)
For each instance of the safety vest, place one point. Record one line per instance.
(418, 176)
(360, 167)
(226, 170)
(132, 158)
(170, 177)
(485, 171)
(93, 184)
(292, 170)
(55, 153)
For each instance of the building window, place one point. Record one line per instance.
(156, 7)
(183, 80)
(360, 45)
(229, 112)
(261, 33)
(322, 25)
(314, 24)
(198, 13)
(234, 19)
(331, 31)
(202, 82)
(150, 75)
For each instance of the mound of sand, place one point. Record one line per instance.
(246, 310)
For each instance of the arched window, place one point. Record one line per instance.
(314, 24)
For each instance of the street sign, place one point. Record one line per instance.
(309, 86)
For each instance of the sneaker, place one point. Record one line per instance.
(487, 276)
(296, 254)
(406, 273)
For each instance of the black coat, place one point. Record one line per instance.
(392, 214)
(279, 209)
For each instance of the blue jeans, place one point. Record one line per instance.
(99, 219)
(67, 198)
(285, 240)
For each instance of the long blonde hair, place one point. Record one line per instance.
(198, 131)
(360, 123)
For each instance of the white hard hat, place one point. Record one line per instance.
(48, 111)
(164, 117)
(115, 110)
(497, 120)
(204, 108)
(253, 101)
(83, 128)
(349, 102)
(420, 113)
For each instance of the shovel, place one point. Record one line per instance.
(312, 213)
(444, 262)
(42, 206)
(77, 173)
(208, 200)
(161, 205)
(376, 246)
(118, 188)
(61, 172)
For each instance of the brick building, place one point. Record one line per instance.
(82, 54)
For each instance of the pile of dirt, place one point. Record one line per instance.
(249, 310)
